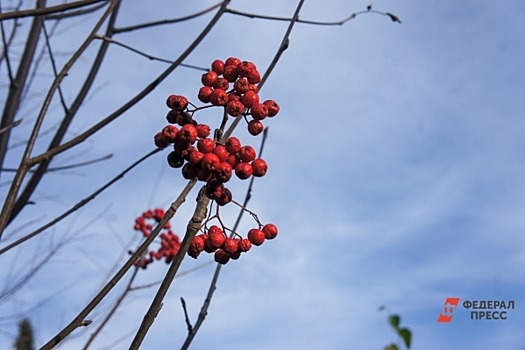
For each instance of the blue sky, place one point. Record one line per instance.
(396, 178)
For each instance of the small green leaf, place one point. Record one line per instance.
(394, 321)
(392, 347)
(406, 334)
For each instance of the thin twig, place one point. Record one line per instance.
(70, 166)
(47, 10)
(112, 311)
(148, 56)
(319, 23)
(78, 205)
(167, 21)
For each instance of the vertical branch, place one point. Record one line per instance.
(193, 227)
(17, 85)
(37, 176)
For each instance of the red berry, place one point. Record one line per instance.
(210, 162)
(160, 141)
(215, 237)
(196, 246)
(255, 127)
(243, 170)
(205, 145)
(177, 102)
(203, 130)
(170, 132)
(245, 68)
(221, 152)
(221, 256)
(230, 73)
(245, 245)
(260, 167)
(256, 236)
(247, 153)
(233, 145)
(196, 157)
(232, 61)
(254, 77)
(241, 86)
(204, 94)
(224, 198)
(235, 108)
(259, 111)
(218, 66)
(222, 83)
(270, 231)
(209, 78)
(223, 171)
(233, 160)
(250, 99)
(219, 97)
(230, 245)
(188, 133)
(273, 107)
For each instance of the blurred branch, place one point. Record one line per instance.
(79, 204)
(112, 311)
(47, 10)
(70, 166)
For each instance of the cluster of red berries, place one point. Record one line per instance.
(233, 84)
(202, 157)
(214, 240)
(169, 244)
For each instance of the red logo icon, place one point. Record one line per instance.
(446, 315)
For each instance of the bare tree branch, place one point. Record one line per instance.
(47, 10)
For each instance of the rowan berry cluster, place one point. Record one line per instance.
(230, 86)
(214, 160)
(169, 244)
(214, 240)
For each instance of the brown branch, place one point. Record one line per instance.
(70, 166)
(193, 227)
(78, 320)
(78, 205)
(47, 10)
(167, 21)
